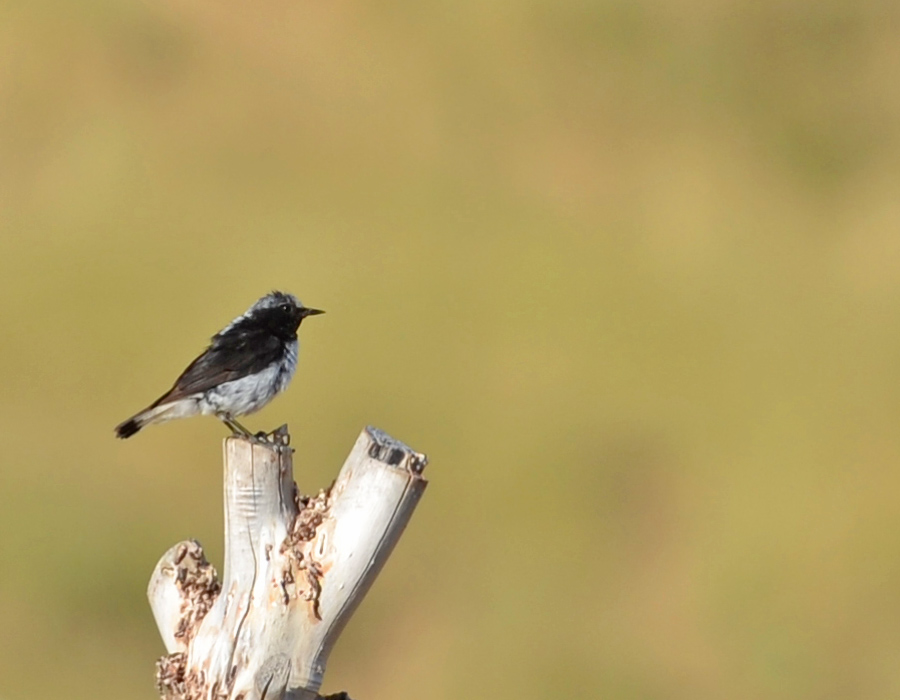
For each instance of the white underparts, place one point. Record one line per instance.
(237, 398)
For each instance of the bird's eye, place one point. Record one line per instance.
(286, 308)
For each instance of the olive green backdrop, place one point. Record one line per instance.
(629, 272)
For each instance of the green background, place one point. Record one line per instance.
(629, 272)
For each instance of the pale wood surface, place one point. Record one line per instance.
(295, 570)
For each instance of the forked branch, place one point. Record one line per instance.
(296, 567)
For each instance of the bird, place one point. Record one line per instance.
(247, 364)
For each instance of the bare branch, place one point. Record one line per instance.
(296, 568)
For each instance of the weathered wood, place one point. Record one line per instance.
(295, 570)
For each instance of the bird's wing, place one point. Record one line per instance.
(225, 360)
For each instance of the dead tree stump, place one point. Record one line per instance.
(296, 567)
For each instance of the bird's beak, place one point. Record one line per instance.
(312, 312)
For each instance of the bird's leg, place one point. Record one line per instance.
(236, 427)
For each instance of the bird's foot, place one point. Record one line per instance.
(279, 436)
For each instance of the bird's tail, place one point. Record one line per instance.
(154, 414)
(129, 427)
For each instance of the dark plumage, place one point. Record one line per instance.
(246, 365)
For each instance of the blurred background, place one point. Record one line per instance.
(629, 272)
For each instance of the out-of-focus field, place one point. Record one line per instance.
(629, 272)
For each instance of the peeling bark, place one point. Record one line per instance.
(296, 567)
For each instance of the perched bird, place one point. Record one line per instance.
(247, 364)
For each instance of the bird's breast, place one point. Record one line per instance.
(289, 364)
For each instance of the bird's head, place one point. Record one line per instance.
(280, 313)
